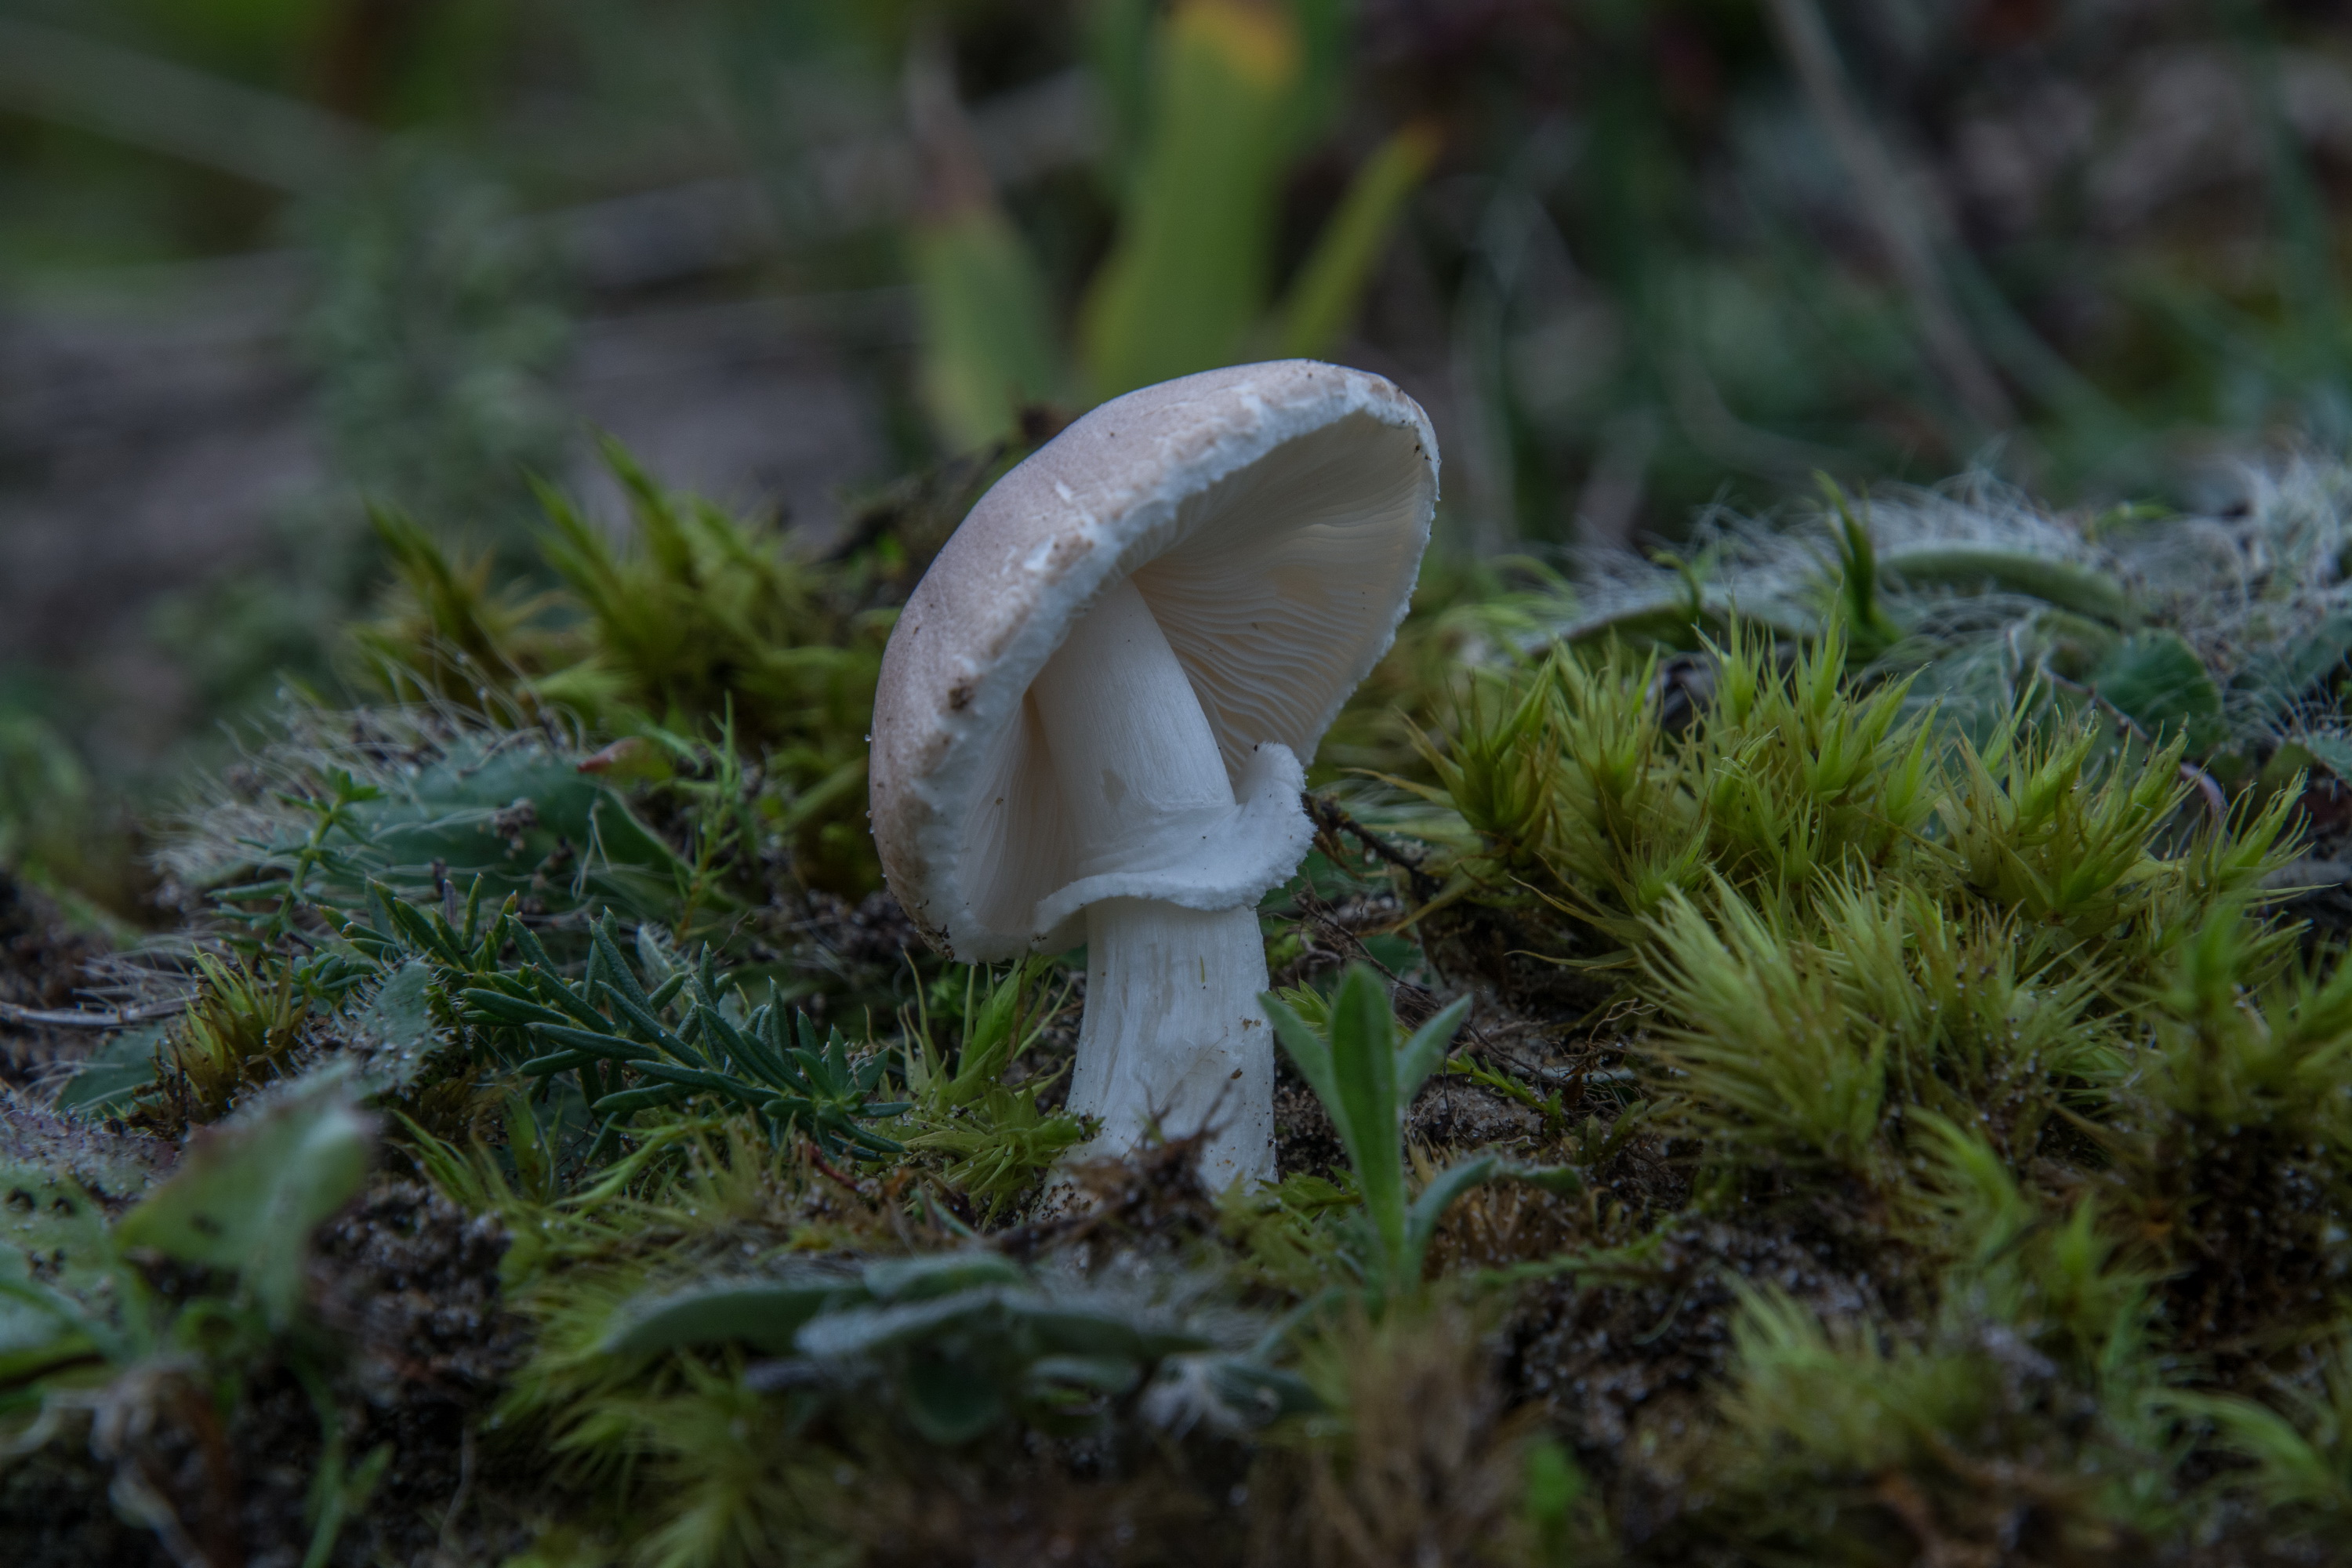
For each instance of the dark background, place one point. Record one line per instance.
(263, 261)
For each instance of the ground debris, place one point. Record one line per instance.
(44, 960)
(1625, 1364)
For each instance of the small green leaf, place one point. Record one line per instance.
(1080, 1330)
(1260, 1392)
(45, 1321)
(1430, 1207)
(871, 1330)
(1564, 1181)
(948, 1403)
(940, 1274)
(634, 1099)
(504, 1009)
(2157, 680)
(762, 1313)
(116, 1071)
(1427, 1048)
(34, 1340)
(51, 1217)
(1110, 1374)
(42, 1327)
(1309, 1052)
(253, 1188)
(596, 1045)
(1554, 1485)
(395, 1030)
(1364, 1063)
(459, 811)
(2059, 583)
(2330, 750)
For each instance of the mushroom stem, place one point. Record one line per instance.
(1173, 1035)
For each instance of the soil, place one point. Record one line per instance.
(44, 958)
(417, 1344)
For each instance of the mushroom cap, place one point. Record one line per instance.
(1273, 516)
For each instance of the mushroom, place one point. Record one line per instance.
(1096, 711)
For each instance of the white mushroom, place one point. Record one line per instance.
(1096, 711)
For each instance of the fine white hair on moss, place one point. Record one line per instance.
(246, 803)
(2259, 569)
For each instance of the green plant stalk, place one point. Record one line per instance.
(1366, 1080)
(1187, 278)
(1325, 296)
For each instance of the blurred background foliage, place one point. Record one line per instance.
(459, 465)
(266, 266)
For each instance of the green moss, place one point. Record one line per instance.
(1877, 1129)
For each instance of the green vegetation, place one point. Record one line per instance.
(1854, 1125)
(1822, 1038)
